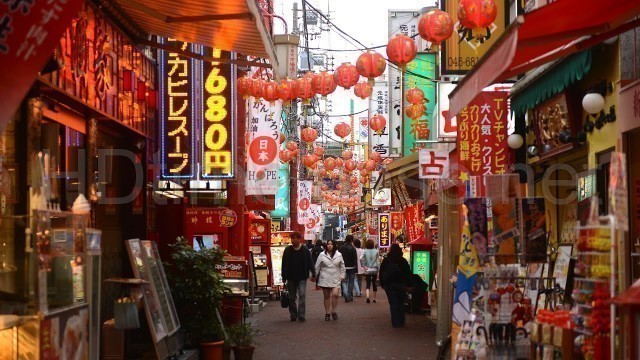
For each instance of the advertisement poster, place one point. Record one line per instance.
(263, 148)
(422, 265)
(382, 197)
(281, 237)
(384, 230)
(505, 231)
(478, 223)
(313, 225)
(66, 336)
(397, 224)
(379, 104)
(234, 267)
(259, 231)
(282, 197)
(619, 190)
(535, 230)
(422, 68)
(276, 264)
(304, 201)
(561, 266)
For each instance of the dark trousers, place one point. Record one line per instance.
(347, 284)
(371, 280)
(396, 295)
(298, 287)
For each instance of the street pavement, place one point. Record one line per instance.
(362, 331)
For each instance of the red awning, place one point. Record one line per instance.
(422, 240)
(629, 297)
(556, 30)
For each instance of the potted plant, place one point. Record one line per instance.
(242, 338)
(198, 288)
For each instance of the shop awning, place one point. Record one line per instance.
(558, 29)
(232, 25)
(407, 165)
(422, 240)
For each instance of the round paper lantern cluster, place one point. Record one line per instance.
(342, 130)
(244, 86)
(363, 90)
(371, 65)
(346, 75)
(435, 26)
(347, 154)
(401, 50)
(323, 83)
(378, 123)
(477, 15)
(287, 90)
(309, 134)
(304, 88)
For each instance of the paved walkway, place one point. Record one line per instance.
(363, 331)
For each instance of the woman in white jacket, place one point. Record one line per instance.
(330, 271)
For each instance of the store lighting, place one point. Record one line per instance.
(141, 91)
(593, 103)
(127, 80)
(515, 141)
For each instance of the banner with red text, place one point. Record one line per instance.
(397, 223)
(304, 201)
(313, 222)
(413, 217)
(263, 147)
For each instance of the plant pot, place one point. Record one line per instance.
(211, 350)
(226, 352)
(243, 352)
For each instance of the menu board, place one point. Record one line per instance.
(159, 280)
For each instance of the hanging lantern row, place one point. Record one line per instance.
(435, 26)
(363, 90)
(477, 15)
(342, 130)
(401, 50)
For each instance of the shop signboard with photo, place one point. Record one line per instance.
(234, 267)
(259, 231)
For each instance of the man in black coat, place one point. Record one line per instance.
(296, 265)
(350, 257)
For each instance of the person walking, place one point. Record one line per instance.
(296, 265)
(370, 264)
(357, 284)
(315, 252)
(350, 257)
(331, 271)
(395, 278)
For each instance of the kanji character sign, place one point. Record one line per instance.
(263, 150)
(434, 164)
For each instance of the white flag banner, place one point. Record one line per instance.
(304, 201)
(262, 152)
(379, 104)
(313, 222)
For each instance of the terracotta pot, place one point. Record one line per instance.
(243, 352)
(211, 350)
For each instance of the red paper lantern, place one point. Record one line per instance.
(346, 75)
(401, 50)
(330, 163)
(365, 172)
(370, 165)
(256, 88)
(323, 83)
(371, 65)
(282, 137)
(363, 90)
(287, 89)
(347, 154)
(292, 146)
(318, 151)
(324, 188)
(477, 15)
(364, 180)
(435, 26)
(270, 91)
(360, 166)
(309, 134)
(304, 88)
(342, 129)
(375, 156)
(309, 160)
(244, 86)
(339, 162)
(323, 173)
(415, 111)
(285, 155)
(377, 123)
(350, 165)
(414, 96)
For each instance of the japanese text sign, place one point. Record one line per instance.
(434, 164)
(379, 104)
(482, 135)
(384, 230)
(304, 201)
(262, 159)
(234, 267)
(397, 223)
(413, 217)
(282, 197)
(422, 265)
(419, 73)
(29, 32)
(177, 117)
(313, 222)
(447, 126)
(218, 128)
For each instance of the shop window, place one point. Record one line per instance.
(602, 180)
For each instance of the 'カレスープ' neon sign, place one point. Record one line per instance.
(217, 134)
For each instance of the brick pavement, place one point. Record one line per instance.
(363, 331)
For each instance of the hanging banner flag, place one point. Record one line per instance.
(420, 73)
(434, 164)
(262, 154)
(282, 197)
(397, 223)
(313, 222)
(29, 33)
(384, 230)
(379, 104)
(304, 201)
(413, 217)
(468, 262)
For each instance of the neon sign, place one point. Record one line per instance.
(218, 132)
(177, 149)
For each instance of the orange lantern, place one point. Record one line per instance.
(318, 151)
(339, 186)
(377, 123)
(309, 160)
(375, 156)
(256, 88)
(349, 165)
(342, 129)
(370, 165)
(304, 88)
(324, 187)
(371, 65)
(435, 26)
(363, 90)
(323, 83)
(270, 91)
(347, 154)
(287, 89)
(244, 86)
(415, 111)
(292, 146)
(401, 50)
(309, 134)
(330, 163)
(282, 137)
(339, 162)
(477, 15)
(414, 96)
(360, 166)
(285, 155)
(295, 152)
(365, 172)
(346, 75)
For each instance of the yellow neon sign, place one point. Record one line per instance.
(217, 152)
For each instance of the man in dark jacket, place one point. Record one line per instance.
(296, 265)
(350, 257)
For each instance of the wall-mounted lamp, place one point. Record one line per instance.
(593, 103)
(515, 141)
(127, 80)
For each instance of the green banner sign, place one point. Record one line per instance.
(420, 73)
(422, 265)
(282, 197)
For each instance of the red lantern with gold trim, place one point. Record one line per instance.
(287, 89)
(371, 65)
(270, 91)
(414, 96)
(304, 88)
(370, 165)
(342, 130)
(318, 151)
(347, 154)
(477, 15)
(256, 88)
(415, 111)
(377, 123)
(285, 155)
(339, 162)
(375, 156)
(350, 165)
(363, 90)
(401, 50)
(244, 86)
(292, 146)
(309, 160)
(330, 163)
(323, 83)
(309, 134)
(346, 75)
(435, 26)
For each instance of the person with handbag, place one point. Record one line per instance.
(370, 264)
(331, 271)
(296, 265)
(395, 279)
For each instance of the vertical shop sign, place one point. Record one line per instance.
(447, 126)
(619, 190)
(313, 222)
(422, 265)
(304, 201)
(534, 229)
(176, 124)
(379, 104)
(434, 164)
(462, 50)
(414, 221)
(282, 197)
(29, 32)
(218, 127)
(397, 223)
(420, 74)
(384, 231)
(262, 159)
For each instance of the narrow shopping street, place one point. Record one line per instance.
(362, 331)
